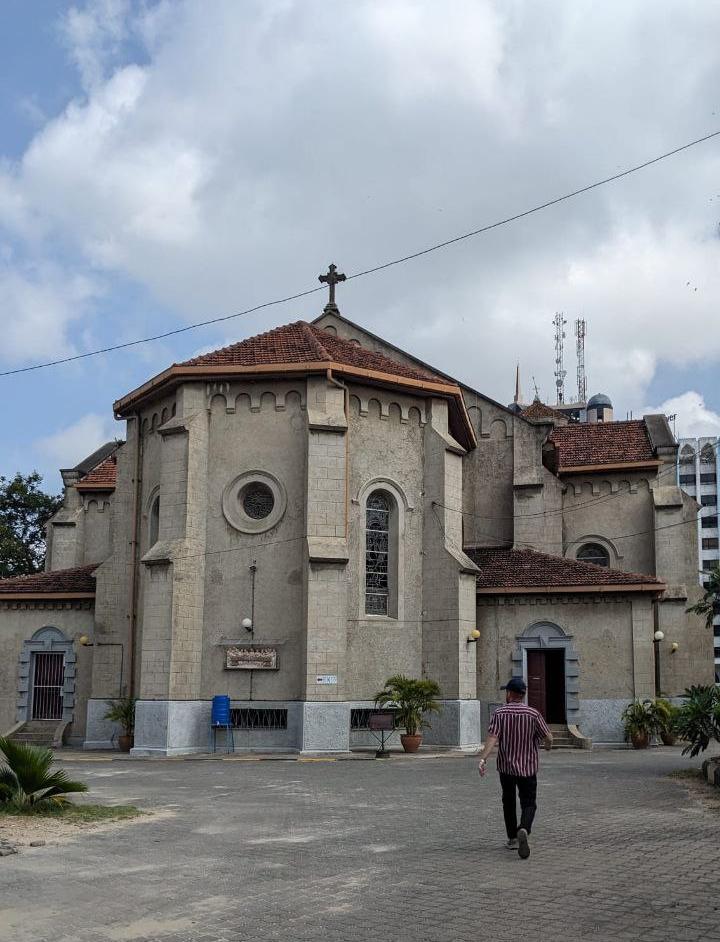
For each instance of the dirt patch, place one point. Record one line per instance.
(23, 830)
(699, 789)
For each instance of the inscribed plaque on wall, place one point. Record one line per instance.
(250, 658)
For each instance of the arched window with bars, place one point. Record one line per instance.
(593, 553)
(381, 553)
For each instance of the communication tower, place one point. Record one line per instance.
(580, 330)
(559, 321)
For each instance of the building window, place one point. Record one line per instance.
(687, 455)
(593, 553)
(711, 542)
(257, 500)
(154, 522)
(708, 478)
(380, 554)
(708, 500)
(708, 523)
(707, 454)
(687, 478)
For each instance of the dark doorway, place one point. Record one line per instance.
(546, 684)
(48, 685)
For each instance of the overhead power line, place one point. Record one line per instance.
(369, 271)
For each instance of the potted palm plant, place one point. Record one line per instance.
(666, 714)
(641, 722)
(122, 711)
(413, 699)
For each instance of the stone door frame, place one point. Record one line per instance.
(545, 635)
(51, 639)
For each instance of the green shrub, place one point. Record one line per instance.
(26, 782)
(698, 719)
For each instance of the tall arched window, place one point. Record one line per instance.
(687, 455)
(380, 555)
(593, 553)
(154, 521)
(707, 454)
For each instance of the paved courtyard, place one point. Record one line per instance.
(361, 850)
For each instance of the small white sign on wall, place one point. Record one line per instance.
(326, 679)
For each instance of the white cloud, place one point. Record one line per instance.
(241, 149)
(37, 306)
(694, 419)
(68, 446)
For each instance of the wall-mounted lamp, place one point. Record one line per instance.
(673, 647)
(247, 624)
(659, 635)
(473, 636)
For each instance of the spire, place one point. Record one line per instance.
(518, 392)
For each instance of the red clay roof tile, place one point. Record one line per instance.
(579, 445)
(526, 568)
(101, 478)
(304, 343)
(61, 581)
(538, 410)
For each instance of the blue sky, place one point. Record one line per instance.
(165, 162)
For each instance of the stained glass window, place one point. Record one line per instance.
(377, 550)
(257, 500)
(594, 553)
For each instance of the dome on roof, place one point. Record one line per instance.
(515, 407)
(599, 399)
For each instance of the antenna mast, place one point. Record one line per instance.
(580, 329)
(559, 321)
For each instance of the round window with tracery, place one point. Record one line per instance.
(257, 500)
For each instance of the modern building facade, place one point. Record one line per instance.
(698, 472)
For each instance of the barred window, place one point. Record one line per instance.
(377, 553)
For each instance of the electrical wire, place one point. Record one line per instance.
(370, 271)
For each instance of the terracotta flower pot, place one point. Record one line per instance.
(125, 743)
(411, 743)
(668, 739)
(640, 740)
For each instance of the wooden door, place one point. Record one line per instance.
(537, 685)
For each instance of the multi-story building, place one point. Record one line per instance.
(698, 472)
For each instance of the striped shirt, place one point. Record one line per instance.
(519, 729)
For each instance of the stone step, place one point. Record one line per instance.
(34, 739)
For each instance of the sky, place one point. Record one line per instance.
(164, 162)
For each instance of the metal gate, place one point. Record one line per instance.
(48, 683)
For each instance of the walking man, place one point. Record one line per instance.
(517, 730)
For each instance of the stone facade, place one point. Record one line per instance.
(183, 560)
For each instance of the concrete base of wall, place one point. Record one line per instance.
(600, 720)
(171, 727)
(325, 727)
(457, 725)
(99, 732)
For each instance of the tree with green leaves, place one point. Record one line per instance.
(24, 510)
(709, 604)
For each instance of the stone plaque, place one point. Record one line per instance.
(251, 658)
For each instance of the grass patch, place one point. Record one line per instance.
(694, 775)
(81, 814)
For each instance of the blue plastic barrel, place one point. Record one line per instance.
(220, 710)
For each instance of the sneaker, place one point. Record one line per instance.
(511, 844)
(523, 845)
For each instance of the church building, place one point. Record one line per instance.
(294, 518)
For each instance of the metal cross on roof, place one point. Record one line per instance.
(332, 278)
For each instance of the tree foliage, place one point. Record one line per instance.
(709, 604)
(24, 511)
(698, 720)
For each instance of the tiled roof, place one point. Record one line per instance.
(579, 445)
(538, 410)
(304, 343)
(60, 582)
(523, 569)
(101, 478)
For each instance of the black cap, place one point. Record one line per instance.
(516, 685)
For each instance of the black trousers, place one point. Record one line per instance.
(526, 787)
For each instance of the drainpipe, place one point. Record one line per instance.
(134, 554)
(346, 406)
